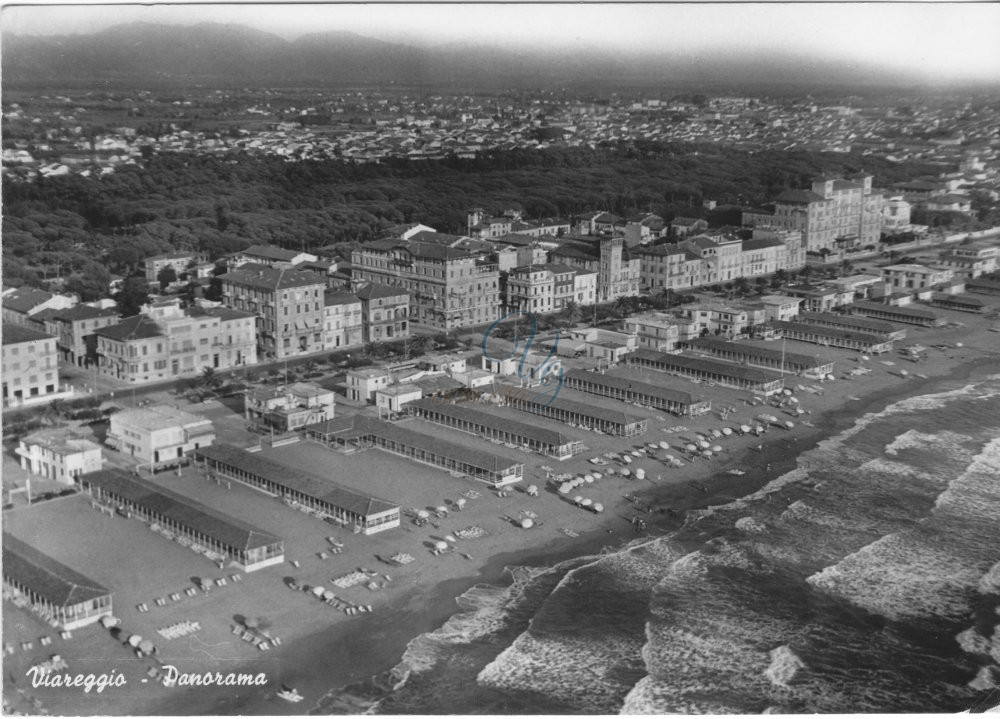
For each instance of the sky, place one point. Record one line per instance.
(941, 41)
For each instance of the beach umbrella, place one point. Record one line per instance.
(830, 376)
(108, 621)
(598, 507)
(440, 545)
(565, 488)
(640, 474)
(703, 444)
(626, 459)
(744, 428)
(787, 392)
(328, 595)
(789, 425)
(716, 448)
(597, 475)
(146, 646)
(664, 445)
(959, 344)
(706, 453)
(716, 434)
(460, 503)
(318, 591)
(532, 490)
(726, 431)
(577, 499)
(587, 502)
(691, 448)
(441, 510)
(423, 514)
(652, 445)
(626, 473)
(792, 400)
(450, 538)
(134, 640)
(527, 523)
(589, 479)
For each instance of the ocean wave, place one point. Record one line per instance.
(989, 583)
(950, 442)
(583, 647)
(785, 665)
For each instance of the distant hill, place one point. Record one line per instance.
(226, 54)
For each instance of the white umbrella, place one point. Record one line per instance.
(597, 475)
(830, 376)
(318, 591)
(789, 424)
(146, 646)
(532, 490)
(716, 434)
(565, 488)
(792, 400)
(691, 448)
(460, 503)
(423, 514)
(328, 595)
(610, 471)
(598, 507)
(577, 499)
(587, 502)
(449, 538)
(440, 545)
(626, 459)
(716, 448)
(703, 444)
(134, 640)
(589, 479)
(527, 523)
(442, 509)
(744, 428)
(706, 453)
(652, 445)
(626, 473)
(640, 474)
(787, 392)
(664, 445)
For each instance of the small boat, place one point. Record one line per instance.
(736, 472)
(290, 695)
(569, 532)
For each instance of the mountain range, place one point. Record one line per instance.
(219, 54)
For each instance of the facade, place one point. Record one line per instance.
(271, 256)
(721, 257)
(656, 331)
(385, 312)
(896, 215)
(394, 397)
(855, 323)
(626, 389)
(159, 436)
(780, 307)
(578, 414)
(225, 537)
(672, 267)
(914, 277)
(755, 355)
(363, 383)
(834, 337)
(756, 380)
(180, 261)
(530, 288)
(21, 304)
(57, 594)
(59, 455)
(30, 367)
(288, 305)
(617, 271)
(167, 342)
(820, 299)
(491, 426)
(833, 213)
(285, 409)
(893, 313)
(363, 513)
(342, 323)
(960, 302)
(74, 330)
(585, 287)
(449, 287)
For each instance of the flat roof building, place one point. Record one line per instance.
(364, 513)
(833, 337)
(855, 323)
(160, 436)
(758, 356)
(359, 432)
(249, 547)
(629, 390)
(895, 313)
(539, 401)
(960, 302)
(59, 595)
(489, 425)
(59, 455)
(758, 381)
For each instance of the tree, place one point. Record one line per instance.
(91, 283)
(622, 306)
(134, 294)
(570, 313)
(742, 285)
(214, 290)
(209, 378)
(165, 276)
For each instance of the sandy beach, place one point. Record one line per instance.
(323, 648)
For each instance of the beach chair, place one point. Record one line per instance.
(263, 646)
(142, 607)
(175, 597)
(160, 602)
(220, 582)
(66, 635)
(236, 577)
(44, 641)
(236, 629)
(190, 591)
(26, 646)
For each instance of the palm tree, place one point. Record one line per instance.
(310, 367)
(209, 378)
(570, 313)
(622, 306)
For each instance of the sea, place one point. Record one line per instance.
(865, 579)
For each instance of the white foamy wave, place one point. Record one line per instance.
(785, 664)
(938, 441)
(987, 678)
(972, 642)
(990, 582)
(750, 525)
(974, 495)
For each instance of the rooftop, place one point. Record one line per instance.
(137, 327)
(490, 418)
(723, 369)
(376, 290)
(42, 574)
(272, 278)
(157, 417)
(25, 299)
(16, 334)
(644, 388)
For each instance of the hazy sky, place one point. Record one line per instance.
(941, 41)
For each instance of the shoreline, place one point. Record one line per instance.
(342, 659)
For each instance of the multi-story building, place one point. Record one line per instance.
(179, 261)
(914, 277)
(342, 324)
(529, 289)
(834, 213)
(167, 341)
(74, 330)
(663, 267)
(284, 409)
(30, 367)
(727, 320)
(59, 455)
(896, 215)
(288, 304)
(971, 262)
(21, 304)
(617, 271)
(159, 436)
(722, 257)
(585, 287)
(657, 331)
(271, 256)
(385, 312)
(449, 287)
(794, 256)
